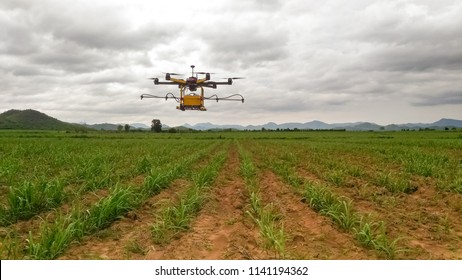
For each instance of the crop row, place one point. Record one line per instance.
(264, 215)
(176, 217)
(30, 196)
(394, 168)
(368, 231)
(54, 237)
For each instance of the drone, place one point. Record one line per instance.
(189, 99)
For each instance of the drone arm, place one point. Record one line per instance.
(178, 81)
(209, 85)
(214, 84)
(229, 82)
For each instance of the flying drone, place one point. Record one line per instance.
(189, 99)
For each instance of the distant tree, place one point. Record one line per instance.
(172, 130)
(120, 127)
(127, 128)
(156, 125)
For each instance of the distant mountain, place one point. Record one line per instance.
(31, 119)
(103, 126)
(115, 127)
(448, 123)
(317, 125)
(364, 127)
(140, 125)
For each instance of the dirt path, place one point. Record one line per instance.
(310, 235)
(222, 230)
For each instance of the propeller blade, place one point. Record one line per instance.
(173, 74)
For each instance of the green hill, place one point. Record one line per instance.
(31, 119)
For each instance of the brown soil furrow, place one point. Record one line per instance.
(129, 237)
(427, 231)
(222, 230)
(309, 235)
(431, 229)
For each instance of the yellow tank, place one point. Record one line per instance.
(193, 100)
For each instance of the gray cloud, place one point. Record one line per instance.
(300, 58)
(443, 98)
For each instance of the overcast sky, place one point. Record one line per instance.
(334, 61)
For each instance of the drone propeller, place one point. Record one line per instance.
(203, 73)
(234, 78)
(172, 74)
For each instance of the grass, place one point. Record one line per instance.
(393, 184)
(342, 214)
(29, 199)
(176, 218)
(340, 211)
(267, 219)
(268, 222)
(160, 177)
(121, 200)
(373, 235)
(135, 247)
(10, 248)
(56, 237)
(322, 200)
